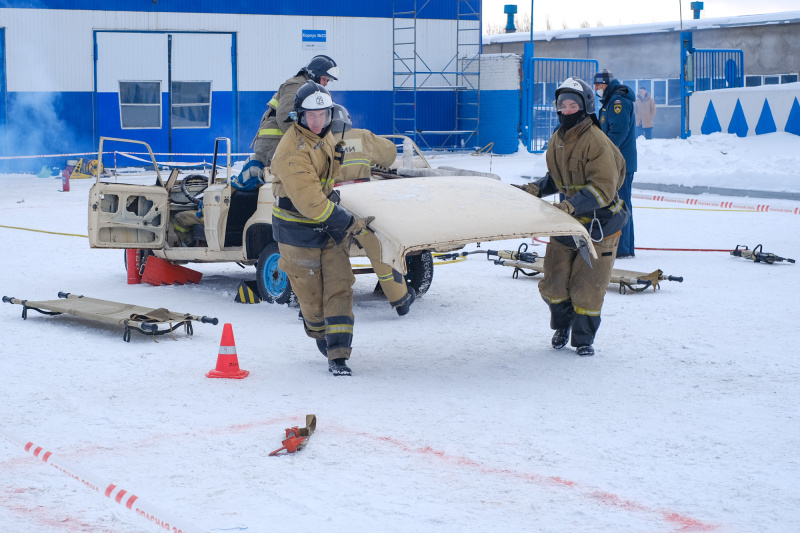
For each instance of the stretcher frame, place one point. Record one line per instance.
(146, 320)
(629, 280)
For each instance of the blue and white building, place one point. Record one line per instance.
(179, 73)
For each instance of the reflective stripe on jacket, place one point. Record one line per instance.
(275, 121)
(362, 149)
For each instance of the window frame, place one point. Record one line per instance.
(159, 105)
(173, 105)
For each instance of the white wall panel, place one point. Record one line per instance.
(130, 56)
(202, 57)
(52, 50)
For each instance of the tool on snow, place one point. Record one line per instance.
(757, 255)
(629, 280)
(145, 320)
(297, 438)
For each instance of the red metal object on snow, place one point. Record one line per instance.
(292, 441)
(159, 272)
(297, 437)
(133, 262)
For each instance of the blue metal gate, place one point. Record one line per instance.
(718, 69)
(542, 76)
(704, 70)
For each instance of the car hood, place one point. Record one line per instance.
(445, 213)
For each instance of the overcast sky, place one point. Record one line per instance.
(620, 12)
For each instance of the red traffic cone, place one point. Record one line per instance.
(227, 361)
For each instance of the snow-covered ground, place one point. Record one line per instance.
(459, 416)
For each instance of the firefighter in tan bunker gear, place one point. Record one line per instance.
(313, 233)
(362, 149)
(275, 121)
(586, 167)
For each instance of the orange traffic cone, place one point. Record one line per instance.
(227, 361)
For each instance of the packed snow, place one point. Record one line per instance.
(459, 417)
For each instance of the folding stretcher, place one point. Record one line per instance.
(145, 320)
(629, 280)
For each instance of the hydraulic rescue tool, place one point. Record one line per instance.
(757, 255)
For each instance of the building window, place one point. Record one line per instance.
(191, 104)
(788, 78)
(140, 104)
(674, 91)
(647, 85)
(660, 92)
(752, 81)
(772, 80)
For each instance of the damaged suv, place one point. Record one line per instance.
(415, 218)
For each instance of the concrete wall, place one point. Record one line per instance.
(768, 49)
(773, 49)
(627, 56)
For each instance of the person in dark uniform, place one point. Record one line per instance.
(619, 122)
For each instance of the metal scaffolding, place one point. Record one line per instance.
(455, 117)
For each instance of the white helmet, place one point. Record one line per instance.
(309, 97)
(582, 89)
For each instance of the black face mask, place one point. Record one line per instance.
(569, 121)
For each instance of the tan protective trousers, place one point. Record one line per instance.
(183, 223)
(322, 279)
(568, 280)
(392, 282)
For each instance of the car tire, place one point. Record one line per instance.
(273, 284)
(420, 272)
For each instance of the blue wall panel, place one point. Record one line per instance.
(440, 9)
(500, 120)
(109, 126)
(47, 123)
(370, 110)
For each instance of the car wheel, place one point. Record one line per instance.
(273, 284)
(420, 272)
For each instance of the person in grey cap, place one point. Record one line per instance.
(618, 121)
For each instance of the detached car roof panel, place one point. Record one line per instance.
(447, 212)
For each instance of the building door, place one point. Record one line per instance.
(174, 91)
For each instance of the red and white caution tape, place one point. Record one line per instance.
(44, 156)
(130, 501)
(701, 203)
(48, 155)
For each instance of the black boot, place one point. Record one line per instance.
(584, 350)
(339, 367)
(560, 338)
(405, 307)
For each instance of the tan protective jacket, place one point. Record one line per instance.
(275, 121)
(304, 168)
(585, 166)
(362, 149)
(645, 110)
